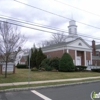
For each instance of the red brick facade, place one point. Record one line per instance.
(72, 54)
(93, 48)
(53, 54)
(88, 56)
(96, 62)
(59, 54)
(22, 61)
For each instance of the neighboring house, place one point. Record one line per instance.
(21, 57)
(11, 57)
(79, 50)
(23, 60)
(96, 54)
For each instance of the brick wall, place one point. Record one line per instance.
(22, 61)
(96, 62)
(93, 48)
(72, 54)
(88, 56)
(58, 53)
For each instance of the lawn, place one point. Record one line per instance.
(21, 75)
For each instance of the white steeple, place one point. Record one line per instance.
(72, 31)
(72, 28)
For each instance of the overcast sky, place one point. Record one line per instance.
(17, 10)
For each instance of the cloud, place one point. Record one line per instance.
(23, 12)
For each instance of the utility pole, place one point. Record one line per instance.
(29, 67)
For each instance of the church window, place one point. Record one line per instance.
(70, 30)
(75, 30)
(97, 53)
(80, 44)
(48, 56)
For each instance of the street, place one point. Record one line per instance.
(74, 92)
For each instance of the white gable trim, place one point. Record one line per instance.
(76, 43)
(69, 47)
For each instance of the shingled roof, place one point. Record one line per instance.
(62, 44)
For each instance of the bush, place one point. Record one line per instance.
(21, 66)
(45, 65)
(66, 63)
(34, 69)
(80, 68)
(45, 62)
(54, 63)
(95, 70)
(48, 68)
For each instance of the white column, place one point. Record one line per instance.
(75, 57)
(67, 50)
(85, 57)
(91, 57)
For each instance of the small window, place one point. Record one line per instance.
(97, 53)
(48, 56)
(74, 61)
(70, 30)
(80, 44)
(75, 31)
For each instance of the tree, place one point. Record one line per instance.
(56, 38)
(10, 42)
(33, 58)
(66, 63)
(40, 56)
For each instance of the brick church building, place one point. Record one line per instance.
(79, 50)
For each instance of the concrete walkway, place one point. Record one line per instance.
(47, 81)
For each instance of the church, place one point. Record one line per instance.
(79, 50)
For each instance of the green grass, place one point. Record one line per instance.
(21, 75)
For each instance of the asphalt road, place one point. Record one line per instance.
(75, 92)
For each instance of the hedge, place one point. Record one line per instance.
(34, 69)
(95, 70)
(21, 66)
(80, 68)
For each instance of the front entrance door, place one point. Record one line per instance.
(78, 60)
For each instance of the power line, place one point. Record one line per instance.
(76, 8)
(24, 22)
(34, 24)
(56, 14)
(41, 29)
(30, 23)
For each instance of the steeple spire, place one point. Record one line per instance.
(72, 27)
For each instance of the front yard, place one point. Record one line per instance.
(21, 75)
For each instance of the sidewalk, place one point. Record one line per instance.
(47, 81)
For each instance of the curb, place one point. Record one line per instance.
(50, 86)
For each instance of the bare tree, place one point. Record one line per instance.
(10, 42)
(56, 38)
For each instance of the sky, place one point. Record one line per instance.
(15, 10)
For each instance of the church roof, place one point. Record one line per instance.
(62, 44)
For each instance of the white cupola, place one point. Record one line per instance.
(72, 28)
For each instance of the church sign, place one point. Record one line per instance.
(10, 67)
